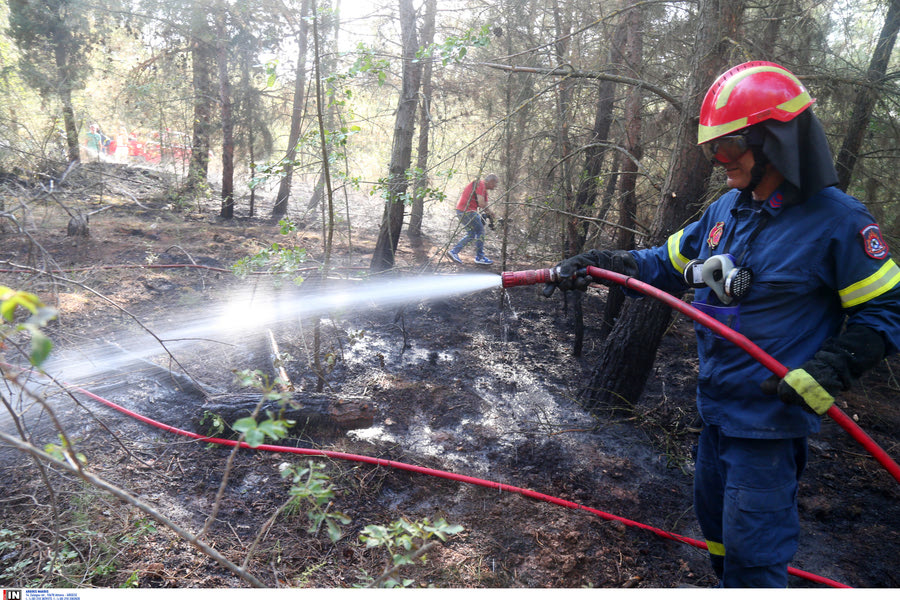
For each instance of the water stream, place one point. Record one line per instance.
(246, 312)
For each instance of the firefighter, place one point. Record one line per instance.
(800, 268)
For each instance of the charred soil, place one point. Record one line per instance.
(482, 384)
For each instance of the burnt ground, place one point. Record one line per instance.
(480, 384)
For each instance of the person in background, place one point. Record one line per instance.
(94, 140)
(802, 270)
(472, 203)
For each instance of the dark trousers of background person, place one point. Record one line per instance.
(474, 225)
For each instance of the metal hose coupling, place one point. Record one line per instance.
(517, 278)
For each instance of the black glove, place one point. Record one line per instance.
(490, 221)
(572, 274)
(839, 362)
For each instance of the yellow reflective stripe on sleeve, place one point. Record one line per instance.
(886, 278)
(715, 548)
(813, 393)
(678, 260)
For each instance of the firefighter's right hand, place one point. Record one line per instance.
(573, 274)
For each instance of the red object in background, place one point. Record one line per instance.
(174, 146)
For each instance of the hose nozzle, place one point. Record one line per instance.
(517, 278)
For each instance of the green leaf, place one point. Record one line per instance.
(244, 425)
(275, 429)
(254, 438)
(40, 347)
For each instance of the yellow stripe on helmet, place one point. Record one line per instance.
(725, 92)
(706, 133)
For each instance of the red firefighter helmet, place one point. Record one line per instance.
(750, 93)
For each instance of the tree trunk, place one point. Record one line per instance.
(204, 96)
(627, 358)
(594, 155)
(73, 152)
(585, 198)
(401, 153)
(867, 96)
(328, 211)
(417, 211)
(624, 239)
(564, 91)
(246, 108)
(227, 211)
(775, 17)
(284, 189)
(517, 88)
(62, 40)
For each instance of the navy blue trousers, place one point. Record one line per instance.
(745, 497)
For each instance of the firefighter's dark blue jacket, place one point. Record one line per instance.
(814, 264)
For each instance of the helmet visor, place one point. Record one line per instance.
(726, 149)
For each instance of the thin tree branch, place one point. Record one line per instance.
(569, 71)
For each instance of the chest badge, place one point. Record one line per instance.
(873, 242)
(715, 235)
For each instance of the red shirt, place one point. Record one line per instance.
(469, 201)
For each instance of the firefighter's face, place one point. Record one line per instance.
(737, 172)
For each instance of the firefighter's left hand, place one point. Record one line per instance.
(812, 387)
(833, 369)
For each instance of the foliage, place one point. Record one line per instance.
(274, 427)
(215, 424)
(335, 139)
(38, 317)
(367, 61)
(64, 451)
(385, 188)
(45, 31)
(406, 543)
(311, 487)
(455, 48)
(274, 259)
(86, 554)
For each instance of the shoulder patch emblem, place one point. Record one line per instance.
(873, 242)
(715, 235)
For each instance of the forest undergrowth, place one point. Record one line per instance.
(482, 385)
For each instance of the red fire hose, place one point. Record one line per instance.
(382, 462)
(516, 278)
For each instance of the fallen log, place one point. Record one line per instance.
(312, 413)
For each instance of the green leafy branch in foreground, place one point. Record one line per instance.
(40, 315)
(274, 427)
(406, 543)
(312, 486)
